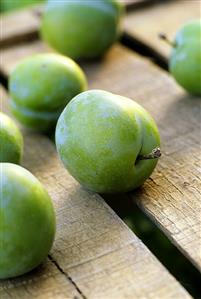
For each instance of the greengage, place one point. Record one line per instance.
(27, 221)
(82, 29)
(40, 87)
(107, 142)
(185, 59)
(11, 140)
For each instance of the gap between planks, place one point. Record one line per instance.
(144, 25)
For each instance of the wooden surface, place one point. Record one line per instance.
(171, 197)
(166, 16)
(45, 282)
(95, 255)
(93, 248)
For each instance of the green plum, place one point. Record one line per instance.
(11, 140)
(27, 221)
(40, 87)
(107, 142)
(82, 29)
(185, 60)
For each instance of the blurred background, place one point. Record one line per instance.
(143, 227)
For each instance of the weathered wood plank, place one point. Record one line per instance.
(171, 197)
(93, 246)
(44, 282)
(145, 24)
(20, 25)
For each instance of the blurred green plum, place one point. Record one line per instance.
(40, 87)
(11, 140)
(82, 29)
(185, 60)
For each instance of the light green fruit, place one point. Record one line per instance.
(82, 29)
(185, 60)
(27, 221)
(11, 140)
(101, 137)
(40, 87)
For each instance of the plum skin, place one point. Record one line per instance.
(40, 86)
(11, 148)
(99, 137)
(185, 60)
(27, 221)
(82, 29)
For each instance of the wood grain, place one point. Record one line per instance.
(45, 282)
(168, 16)
(171, 197)
(93, 246)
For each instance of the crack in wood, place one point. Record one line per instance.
(67, 276)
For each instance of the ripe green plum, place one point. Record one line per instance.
(82, 29)
(11, 140)
(107, 141)
(40, 87)
(27, 221)
(185, 60)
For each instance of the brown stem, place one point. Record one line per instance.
(164, 37)
(155, 153)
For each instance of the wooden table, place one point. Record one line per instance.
(95, 255)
